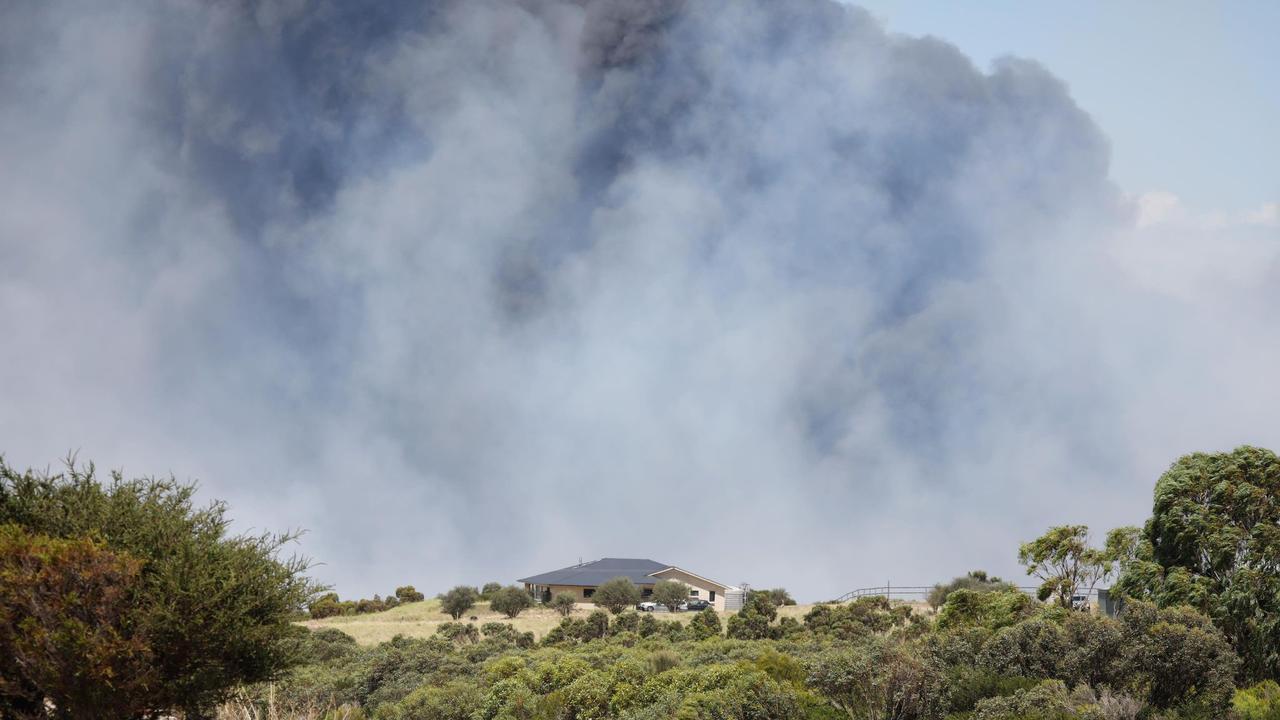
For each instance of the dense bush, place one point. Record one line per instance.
(1260, 702)
(754, 620)
(705, 624)
(66, 635)
(976, 580)
(991, 610)
(858, 619)
(879, 678)
(213, 610)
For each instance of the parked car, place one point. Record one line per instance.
(697, 604)
(647, 606)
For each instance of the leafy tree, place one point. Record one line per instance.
(616, 595)
(976, 580)
(215, 610)
(670, 593)
(1213, 542)
(66, 635)
(563, 603)
(489, 590)
(458, 601)
(511, 601)
(408, 594)
(1064, 562)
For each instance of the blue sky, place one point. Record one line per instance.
(1186, 91)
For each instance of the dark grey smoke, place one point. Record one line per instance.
(472, 289)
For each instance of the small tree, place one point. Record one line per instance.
(780, 597)
(616, 595)
(563, 603)
(1065, 563)
(489, 590)
(408, 594)
(755, 620)
(670, 593)
(327, 605)
(705, 624)
(511, 601)
(458, 601)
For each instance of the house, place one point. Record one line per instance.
(582, 580)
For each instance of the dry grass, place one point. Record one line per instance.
(421, 620)
(271, 710)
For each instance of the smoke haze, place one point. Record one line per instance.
(473, 289)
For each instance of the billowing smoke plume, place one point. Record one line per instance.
(473, 289)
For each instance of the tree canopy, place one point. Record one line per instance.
(1213, 542)
(207, 609)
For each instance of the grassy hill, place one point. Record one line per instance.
(421, 619)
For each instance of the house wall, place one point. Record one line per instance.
(704, 588)
(577, 592)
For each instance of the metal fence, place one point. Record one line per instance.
(921, 592)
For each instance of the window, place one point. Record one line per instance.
(646, 592)
(693, 593)
(588, 592)
(713, 596)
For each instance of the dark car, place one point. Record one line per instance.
(697, 605)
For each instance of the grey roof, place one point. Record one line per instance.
(596, 572)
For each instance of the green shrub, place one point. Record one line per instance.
(705, 624)
(596, 626)
(991, 610)
(616, 595)
(753, 622)
(563, 603)
(1047, 700)
(455, 700)
(489, 590)
(626, 621)
(977, 581)
(879, 678)
(1033, 649)
(671, 593)
(408, 594)
(510, 601)
(1260, 702)
(459, 633)
(458, 601)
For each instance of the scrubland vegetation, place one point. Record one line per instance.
(123, 600)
